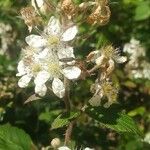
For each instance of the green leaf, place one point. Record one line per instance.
(138, 111)
(142, 11)
(113, 118)
(12, 138)
(64, 119)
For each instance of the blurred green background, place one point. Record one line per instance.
(129, 18)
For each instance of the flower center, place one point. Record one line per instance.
(53, 40)
(54, 69)
(108, 51)
(36, 68)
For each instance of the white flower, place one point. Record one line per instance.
(106, 58)
(27, 71)
(142, 71)
(54, 36)
(64, 148)
(44, 59)
(137, 67)
(134, 49)
(28, 68)
(105, 54)
(54, 72)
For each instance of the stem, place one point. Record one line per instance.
(67, 95)
(68, 132)
(93, 69)
(68, 108)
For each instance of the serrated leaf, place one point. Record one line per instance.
(113, 118)
(64, 119)
(12, 138)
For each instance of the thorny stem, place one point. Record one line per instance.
(93, 69)
(67, 95)
(68, 108)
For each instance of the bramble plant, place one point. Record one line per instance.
(49, 63)
(49, 59)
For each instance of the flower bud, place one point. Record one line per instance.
(55, 142)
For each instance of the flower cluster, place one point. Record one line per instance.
(42, 59)
(104, 60)
(137, 67)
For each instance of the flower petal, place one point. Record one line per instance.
(64, 148)
(40, 89)
(121, 59)
(35, 41)
(39, 3)
(41, 77)
(100, 60)
(21, 69)
(58, 87)
(72, 72)
(87, 148)
(70, 33)
(111, 67)
(43, 54)
(53, 26)
(24, 81)
(66, 53)
(95, 101)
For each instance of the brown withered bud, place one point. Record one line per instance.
(102, 2)
(100, 15)
(68, 8)
(30, 17)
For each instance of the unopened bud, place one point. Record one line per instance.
(55, 142)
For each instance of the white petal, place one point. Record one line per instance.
(64, 148)
(134, 41)
(100, 60)
(58, 88)
(39, 3)
(69, 34)
(41, 77)
(111, 67)
(72, 72)
(66, 53)
(21, 69)
(95, 101)
(53, 26)
(44, 53)
(121, 59)
(87, 148)
(41, 89)
(35, 41)
(24, 81)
